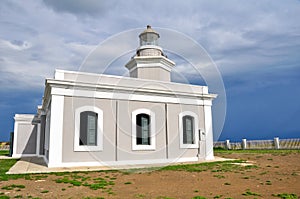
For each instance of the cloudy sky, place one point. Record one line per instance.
(254, 44)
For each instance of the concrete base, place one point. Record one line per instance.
(38, 165)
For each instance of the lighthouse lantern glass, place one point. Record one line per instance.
(149, 39)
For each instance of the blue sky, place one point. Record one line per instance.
(255, 45)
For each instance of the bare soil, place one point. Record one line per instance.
(273, 174)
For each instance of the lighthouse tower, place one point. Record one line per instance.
(149, 62)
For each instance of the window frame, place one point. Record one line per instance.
(195, 129)
(85, 116)
(140, 147)
(99, 136)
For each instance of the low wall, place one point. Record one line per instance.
(4, 148)
(276, 143)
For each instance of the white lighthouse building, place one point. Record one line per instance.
(89, 119)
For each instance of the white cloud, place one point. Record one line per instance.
(240, 36)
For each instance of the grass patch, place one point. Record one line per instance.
(45, 191)
(127, 182)
(219, 176)
(220, 166)
(258, 151)
(218, 196)
(80, 180)
(268, 182)
(5, 165)
(198, 197)
(249, 193)
(4, 152)
(263, 173)
(11, 187)
(286, 195)
(68, 180)
(140, 196)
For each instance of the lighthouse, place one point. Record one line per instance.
(150, 62)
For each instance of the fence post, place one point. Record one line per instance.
(244, 144)
(276, 143)
(227, 145)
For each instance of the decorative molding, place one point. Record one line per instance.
(59, 74)
(96, 82)
(150, 61)
(152, 145)
(129, 96)
(196, 135)
(99, 146)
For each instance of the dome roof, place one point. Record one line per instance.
(149, 30)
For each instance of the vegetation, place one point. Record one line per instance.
(5, 165)
(104, 181)
(4, 152)
(11, 187)
(198, 197)
(286, 195)
(81, 180)
(257, 151)
(220, 166)
(249, 193)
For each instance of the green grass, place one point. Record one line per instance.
(5, 165)
(11, 187)
(286, 195)
(249, 193)
(219, 176)
(220, 166)
(198, 197)
(257, 151)
(268, 182)
(4, 152)
(45, 191)
(218, 196)
(80, 180)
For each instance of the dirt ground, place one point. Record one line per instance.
(272, 174)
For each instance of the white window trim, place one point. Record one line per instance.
(99, 146)
(196, 135)
(136, 147)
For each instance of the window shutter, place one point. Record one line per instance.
(91, 129)
(145, 130)
(188, 130)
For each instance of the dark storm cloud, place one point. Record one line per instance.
(86, 7)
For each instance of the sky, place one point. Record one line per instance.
(255, 46)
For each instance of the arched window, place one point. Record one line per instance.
(88, 129)
(143, 129)
(188, 129)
